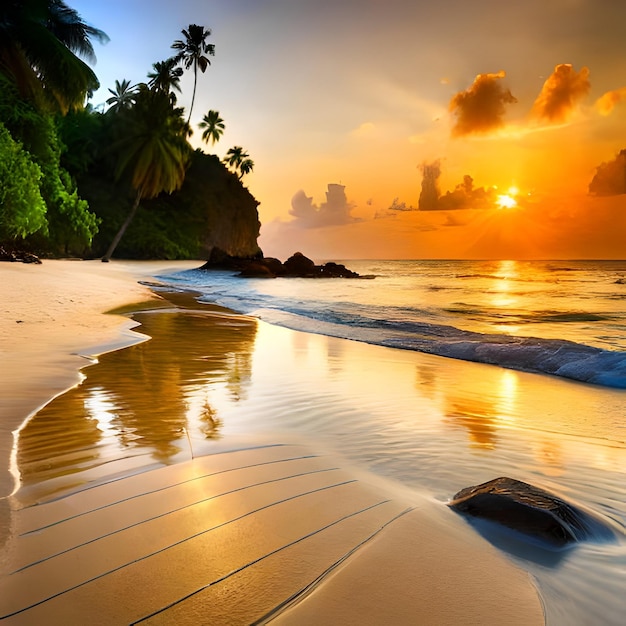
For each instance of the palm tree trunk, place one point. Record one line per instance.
(193, 95)
(122, 230)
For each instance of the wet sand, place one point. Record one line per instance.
(424, 567)
(52, 320)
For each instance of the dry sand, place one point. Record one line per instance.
(412, 572)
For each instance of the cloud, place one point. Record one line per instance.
(464, 195)
(610, 178)
(607, 102)
(560, 93)
(430, 193)
(481, 108)
(364, 130)
(335, 211)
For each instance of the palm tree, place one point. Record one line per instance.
(166, 77)
(123, 96)
(213, 126)
(245, 167)
(39, 44)
(192, 53)
(235, 156)
(153, 151)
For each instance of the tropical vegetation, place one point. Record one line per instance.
(239, 160)
(123, 96)
(73, 177)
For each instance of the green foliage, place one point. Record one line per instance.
(70, 224)
(151, 146)
(39, 41)
(84, 135)
(22, 209)
(48, 141)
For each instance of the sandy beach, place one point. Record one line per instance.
(415, 561)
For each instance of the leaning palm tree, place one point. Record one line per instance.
(245, 167)
(152, 151)
(123, 96)
(166, 77)
(213, 126)
(192, 53)
(39, 44)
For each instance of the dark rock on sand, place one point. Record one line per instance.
(530, 510)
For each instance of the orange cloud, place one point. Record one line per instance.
(429, 196)
(606, 103)
(464, 195)
(335, 211)
(560, 93)
(481, 108)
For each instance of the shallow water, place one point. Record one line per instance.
(429, 424)
(562, 318)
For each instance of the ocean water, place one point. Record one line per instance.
(564, 318)
(535, 392)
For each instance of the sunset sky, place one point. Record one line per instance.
(457, 129)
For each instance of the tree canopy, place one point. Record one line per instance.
(40, 45)
(22, 209)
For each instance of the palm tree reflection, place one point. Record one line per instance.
(142, 401)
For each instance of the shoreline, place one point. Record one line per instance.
(54, 322)
(47, 354)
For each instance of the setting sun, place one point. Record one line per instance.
(506, 201)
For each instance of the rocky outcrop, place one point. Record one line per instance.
(296, 266)
(225, 211)
(531, 511)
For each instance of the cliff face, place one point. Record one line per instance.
(211, 210)
(226, 210)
